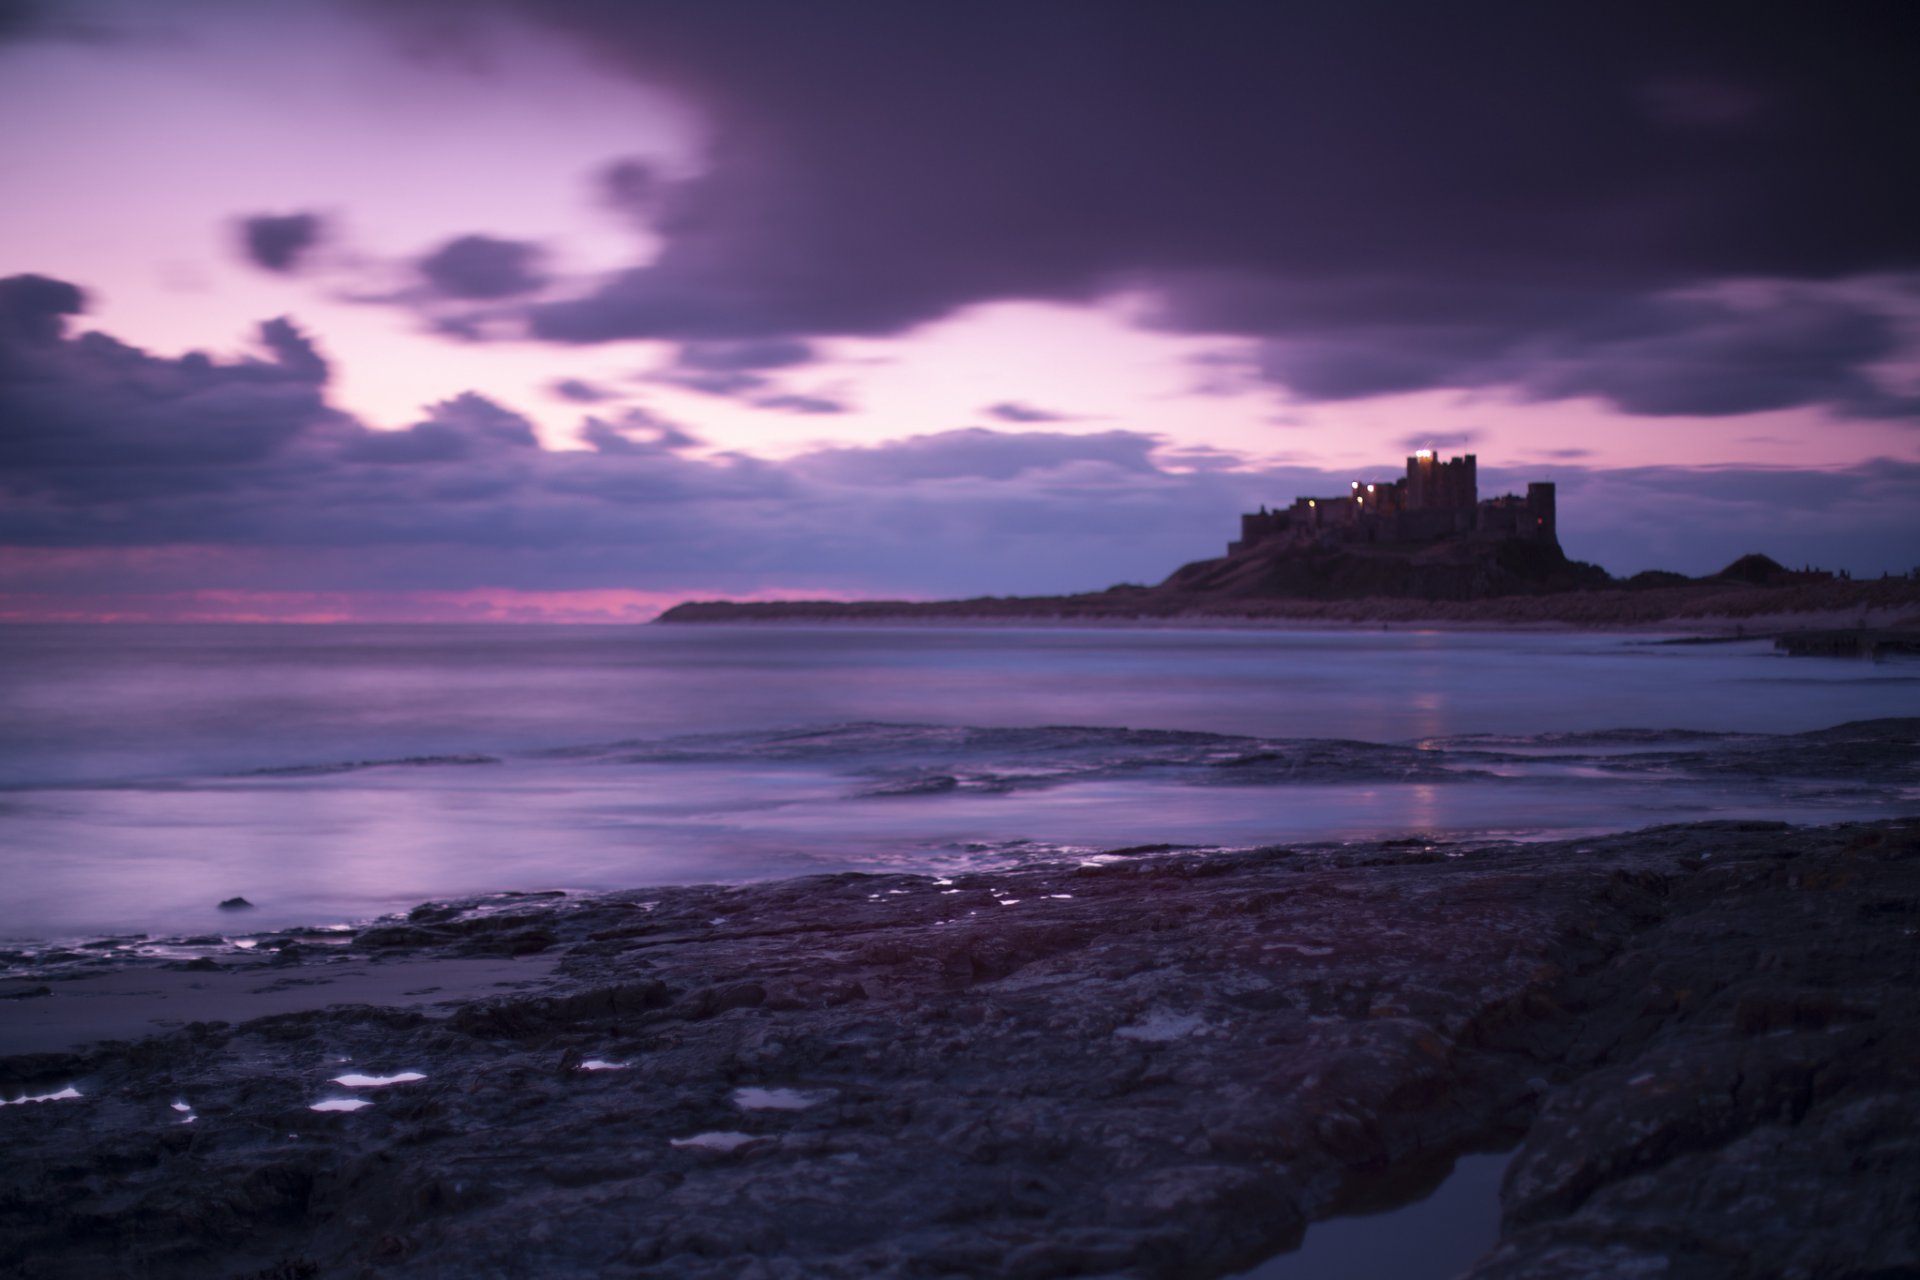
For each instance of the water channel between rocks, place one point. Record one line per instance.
(1435, 1238)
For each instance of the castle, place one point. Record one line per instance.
(1434, 501)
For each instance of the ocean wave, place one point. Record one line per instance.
(884, 760)
(351, 766)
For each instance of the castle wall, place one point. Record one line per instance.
(1435, 501)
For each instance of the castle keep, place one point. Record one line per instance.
(1435, 500)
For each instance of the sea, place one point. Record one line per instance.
(330, 774)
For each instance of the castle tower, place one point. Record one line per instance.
(1431, 483)
(1540, 505)
(1420, 480)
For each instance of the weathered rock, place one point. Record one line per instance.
(1162, 1066)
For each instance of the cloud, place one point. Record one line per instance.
(976, 453)
(277, 242)
(1697, 519)
(793, 402)
(91, 404)
(456, 430)
(736, 370)
(636, 431)
(730, 357)
(479, 268)
(33, 309)
(125, 473)
(633, 187)
(43, 19)
(19, 18)
(1670, 357)
(1324, 179)
(579, 391)
(1013, 411)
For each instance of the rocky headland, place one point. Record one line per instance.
(1466, 587)
(1156, 1063)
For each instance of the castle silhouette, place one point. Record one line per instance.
(1434, 501)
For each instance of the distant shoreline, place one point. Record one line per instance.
(1701, 609)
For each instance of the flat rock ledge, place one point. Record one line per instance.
(1706, 1040)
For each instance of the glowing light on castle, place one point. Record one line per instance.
(1435, 501)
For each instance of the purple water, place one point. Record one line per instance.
(336, 773)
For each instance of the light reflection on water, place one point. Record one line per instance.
(1435, 1238)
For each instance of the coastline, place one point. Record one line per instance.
(1160, 1063)
(1713, 610)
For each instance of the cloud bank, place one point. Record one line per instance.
(1384, 197)
(125, 471)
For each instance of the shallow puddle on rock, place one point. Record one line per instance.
(1437, 1238)
(601, 1064)
(720, 1141)
(752, 1099)
(355, 1080)
(340, 1104)
(57, 1096)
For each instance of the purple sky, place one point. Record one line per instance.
(568, 309)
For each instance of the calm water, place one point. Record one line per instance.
(331, 773)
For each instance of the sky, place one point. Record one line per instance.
(572, 309)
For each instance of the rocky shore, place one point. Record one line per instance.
(1156, 1063)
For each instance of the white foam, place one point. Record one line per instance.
(354, 1080)
(340, 1104)
(601, 1064)
(57, 1096)
(726, 1140)
(753, 1099)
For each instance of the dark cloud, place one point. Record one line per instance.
(1697, 519)
(277, 241)
(632, 187)
(33, 309)
(52, 20)
(579, 391)
(20, 18)
(1707, 358)
(1013, 411)
(723, 382)
(794, 402)
(483, 268)
(125, 471)
(636, 431)
(456, 430)
(736, 370)
(728, 357)
(976, 453)
(1399, 196)
(1666, 356)
(95, 404)
(293, 350)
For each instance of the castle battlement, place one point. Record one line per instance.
(1434, 501)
